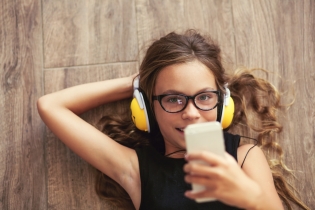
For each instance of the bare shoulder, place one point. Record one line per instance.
(255, 164)
(249, 153)
(257, 168)
(253, 161)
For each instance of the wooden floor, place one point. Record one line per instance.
(48, 45)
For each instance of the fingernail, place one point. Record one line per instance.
(186, 156)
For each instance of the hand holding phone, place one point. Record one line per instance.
(204, 137)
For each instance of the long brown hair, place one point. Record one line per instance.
(257, 103)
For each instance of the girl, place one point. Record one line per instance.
(182, 81)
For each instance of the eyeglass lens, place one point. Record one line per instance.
(176, 103)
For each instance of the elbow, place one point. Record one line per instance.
(43, 105)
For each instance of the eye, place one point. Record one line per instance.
(204, 97)
(173, 99)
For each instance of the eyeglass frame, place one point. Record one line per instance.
(160, 97)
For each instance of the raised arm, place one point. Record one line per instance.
(59, 111)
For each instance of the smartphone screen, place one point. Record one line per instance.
(204, 137)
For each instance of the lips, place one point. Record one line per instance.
(180, 129)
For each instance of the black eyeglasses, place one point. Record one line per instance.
(174, 103)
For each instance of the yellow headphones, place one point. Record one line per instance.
(227, 113)
(140, 110)
(144, 120)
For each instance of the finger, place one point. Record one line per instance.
(203, 194)
(199, 169)
(209, 183)
(210, 158)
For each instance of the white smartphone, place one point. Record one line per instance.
(204, 137)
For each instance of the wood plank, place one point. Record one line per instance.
(71, 181)
(214, 18)
(22, 170)
(211, 17)
(88, 32)
(307, 99)
(156, 19)
(279, 36)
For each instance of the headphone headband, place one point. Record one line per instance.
(227, 95)
(136, 82)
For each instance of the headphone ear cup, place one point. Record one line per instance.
(227, 113)
(141, 113)
(138, 115)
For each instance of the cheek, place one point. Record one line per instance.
(210, 115)
(157, 112)
(164, 119)
(160, 115)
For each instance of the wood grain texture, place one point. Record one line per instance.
(278, 36)
(156, 19)
(211, 17)
(22, 174)
(89, 32)
(71, 181)
(214, 18)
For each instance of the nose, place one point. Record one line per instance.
(191, 112)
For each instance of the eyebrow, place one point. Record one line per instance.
(178, 92)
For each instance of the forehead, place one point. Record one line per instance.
(187, 78)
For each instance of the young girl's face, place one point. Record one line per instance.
(189, 79)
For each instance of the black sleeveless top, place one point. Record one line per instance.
(162, 180)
